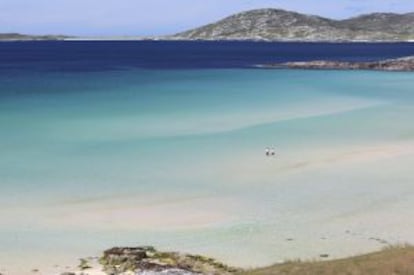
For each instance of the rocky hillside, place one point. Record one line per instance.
(276, 25)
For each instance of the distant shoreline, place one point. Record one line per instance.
(120, 39)
(18, 37)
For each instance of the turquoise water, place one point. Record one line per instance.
(78, 132)
(176, 159)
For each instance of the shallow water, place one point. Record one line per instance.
(175, 158)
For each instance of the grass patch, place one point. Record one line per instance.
(395, 260)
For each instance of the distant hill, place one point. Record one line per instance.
(24, 37)
(277, 24)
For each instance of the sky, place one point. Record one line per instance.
(157, 17)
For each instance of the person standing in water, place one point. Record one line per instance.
(267, 151)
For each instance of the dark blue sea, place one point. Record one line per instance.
(109, 55)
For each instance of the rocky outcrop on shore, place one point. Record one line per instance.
(149, 261)
(399, 64)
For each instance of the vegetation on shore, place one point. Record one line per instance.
(391, 260)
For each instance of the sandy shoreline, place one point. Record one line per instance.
(365, 226)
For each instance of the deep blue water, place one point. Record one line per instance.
(109, 55)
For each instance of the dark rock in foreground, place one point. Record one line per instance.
(400, 64)
(148, 260)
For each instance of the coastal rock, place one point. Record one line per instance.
(147, 260)
(399, 64)
(84, 264)
(168, 272)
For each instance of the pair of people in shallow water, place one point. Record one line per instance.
(270, 151)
